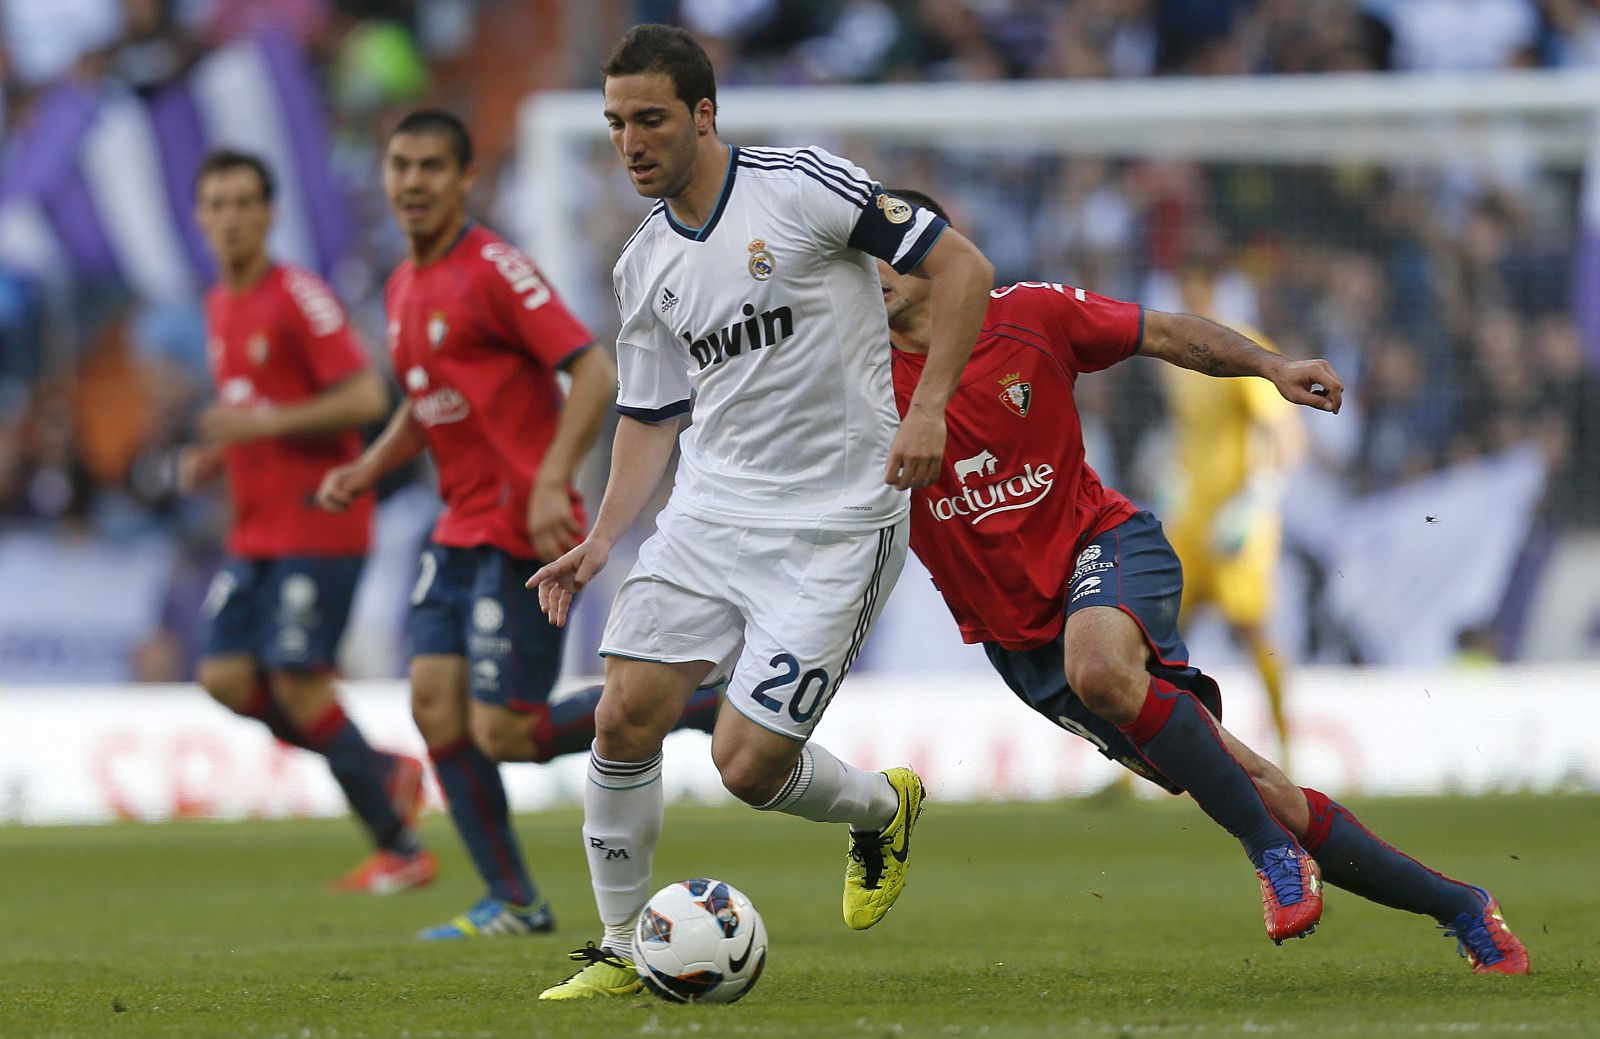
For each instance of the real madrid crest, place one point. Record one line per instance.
(895, 210)
(256, 348)
(437, 328)
(762, 264)
(1016, 394)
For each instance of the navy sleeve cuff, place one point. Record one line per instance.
(654, 415)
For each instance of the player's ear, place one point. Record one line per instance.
(705, 117)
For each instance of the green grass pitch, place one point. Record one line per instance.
(1060, 919)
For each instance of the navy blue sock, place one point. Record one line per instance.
(567, 725)
(363, 774)
(1176, 735)
(477, 800)
(1353, 858)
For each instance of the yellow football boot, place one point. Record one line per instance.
(875, 871)
(603, 973)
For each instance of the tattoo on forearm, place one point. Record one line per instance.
(1201, 359)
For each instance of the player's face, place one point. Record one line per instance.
(903, 294)
(427, 188)
(655, 132)
(232, 210)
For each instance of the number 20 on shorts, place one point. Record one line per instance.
(811, 689)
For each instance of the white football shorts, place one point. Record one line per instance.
(782, 612)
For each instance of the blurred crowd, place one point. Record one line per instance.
(832, 41)
(1445, 301)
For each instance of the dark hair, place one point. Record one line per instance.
(670, 50)
(224, 159)
(918, 199)
(438, 121)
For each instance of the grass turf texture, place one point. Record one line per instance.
(1064, 919)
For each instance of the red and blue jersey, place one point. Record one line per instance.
(477, 337)
(1015, 499)
(283, 341)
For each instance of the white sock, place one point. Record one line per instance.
(826, 790)
(623, 805)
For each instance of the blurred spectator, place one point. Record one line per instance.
(46, 39)
(1575, 28)
(1439, 290)
(1407, 418)
(1572, 429)
(1462, 35)
(155, 48)
(306, 20)
(1095, 39)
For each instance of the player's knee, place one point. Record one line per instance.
(503, 735)
(1108, 687)
(436, 715)
(305, 695)
(621, 715)
(752, 781)
(231, 687)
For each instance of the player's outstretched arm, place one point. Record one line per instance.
(962, 277)
(1193, 342)
(594, 386)
(639, 456)
(400, 442)
(351, 402)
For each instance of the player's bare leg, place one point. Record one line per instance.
(1355, 859)
(230, 680)
(1105, 661)
(566, 725)
(477, 802)
(778, 773)
(754, 762)
(623, 809)
(237, 682)
(439, 697)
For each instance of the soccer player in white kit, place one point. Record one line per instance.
(750, 298)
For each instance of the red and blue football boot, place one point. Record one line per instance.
(1291, 893)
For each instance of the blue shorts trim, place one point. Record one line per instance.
(288, 613)
(470, 602)
(1132, 568)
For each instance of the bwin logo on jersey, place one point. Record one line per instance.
(768, 328)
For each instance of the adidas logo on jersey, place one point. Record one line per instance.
(768, 328)
(669, 300)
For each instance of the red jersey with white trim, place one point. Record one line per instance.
(476, 337)
(1015, 499)
(283, 341)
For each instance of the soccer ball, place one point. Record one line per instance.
(700, 941)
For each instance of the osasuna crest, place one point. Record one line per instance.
(1015, 394)
(256, 348)
(437, 328)
(762, 264)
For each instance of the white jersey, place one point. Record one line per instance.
(768, 324)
